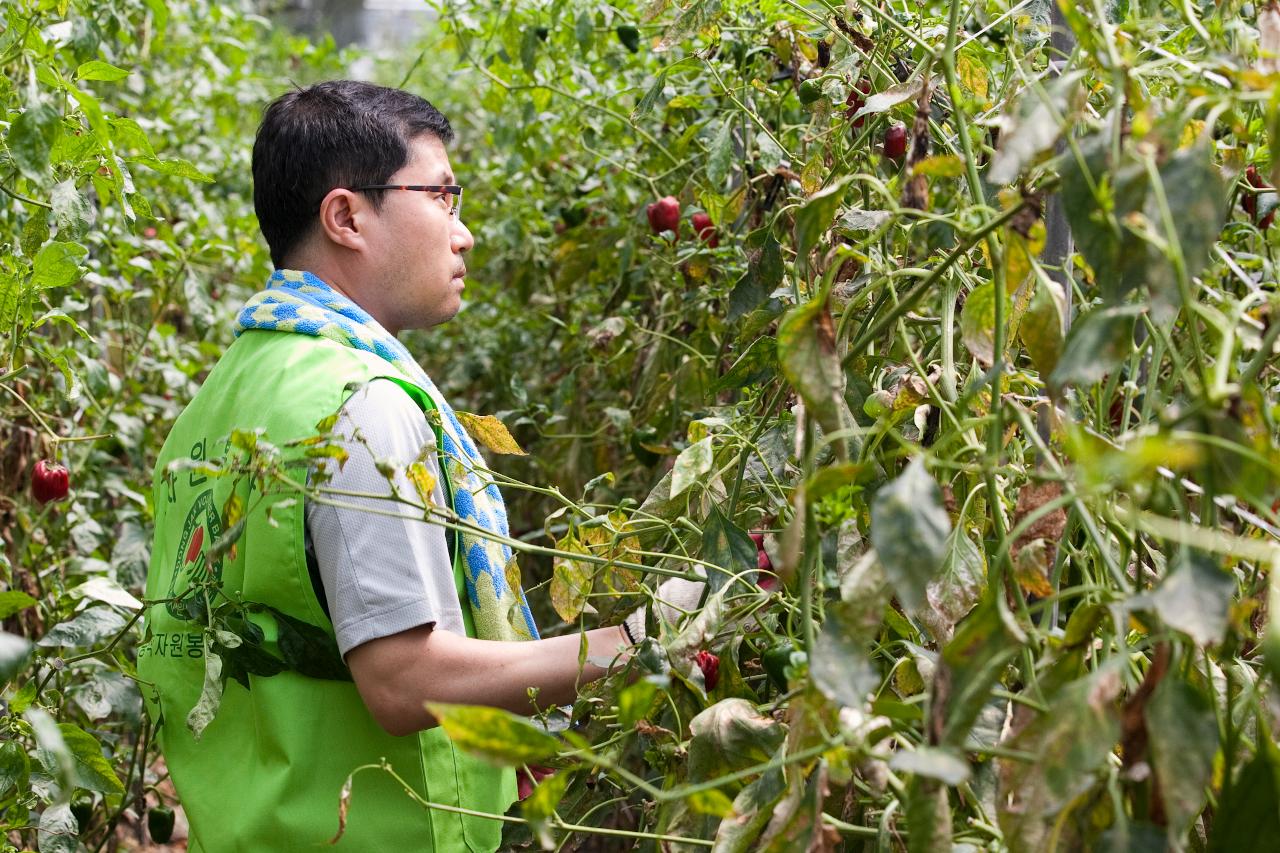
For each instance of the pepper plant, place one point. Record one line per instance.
(1014, 508)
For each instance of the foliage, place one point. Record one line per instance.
(129, 237)
(1019, 517)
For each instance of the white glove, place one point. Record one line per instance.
(673, 598)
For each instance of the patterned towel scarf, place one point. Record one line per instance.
(301, 303)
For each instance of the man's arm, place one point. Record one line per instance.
(397, 674)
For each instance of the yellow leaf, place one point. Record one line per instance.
(571, 580)
(710, 802)
(423, 480)
(490, 432)
(326, 424)
(973, 75)
(811, 177)
(698, 267)
(940, 166)
(1191, 132)
(1031, 568)
(512, 572)
(497, 736)
(1018, 252)
(907, 679)
(232, 512)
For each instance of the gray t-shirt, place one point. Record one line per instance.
(382, 574)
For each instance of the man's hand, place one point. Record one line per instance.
(397, 675)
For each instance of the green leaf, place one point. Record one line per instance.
(720, 157)
(909, 529)
(928, 813)
(629, 36)
(35, 231)
(15, 767)
(71, 210)
(753, 808)
(96, 69)
(1042, 330)
(12, 601)
(1034, 130)
(693, 463)
(1098, 196)
(807, 355)
(202, 714)
(891, 97)
(747, 295)
(59, 832)
(976, 658)
(1248, 816)
(1195, 598)
(93, 771)
(758, 363)
(960, 584)
(20, 701)
(584, 29)
(729, 736)
(129, 135)
(529, 49)
(14, 652)
(763, 275)
(839, 665)
(1271, 636)
(497, 736)
(57, 265)
(249, 657)
(52, 751)
(10, 296)
(104, 589)
(1196, 196)
(1183, 732)
(797, 820)
(855, 220)
(727, 545)
(1069, 743)
(978, 321)
(308, 649)
(650, 98)
(635, 701)
(1100, 339)
(540, 806)
(176, 167)
(89, 627)
(816, 215)
(31, 138)
(106, 693)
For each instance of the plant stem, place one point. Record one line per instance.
(553, 820)
(908, 301)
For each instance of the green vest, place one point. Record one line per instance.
(269, 769)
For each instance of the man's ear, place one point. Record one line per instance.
(344, 216)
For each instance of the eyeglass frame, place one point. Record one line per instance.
(452, 189)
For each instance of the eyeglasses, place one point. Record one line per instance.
(451, 193)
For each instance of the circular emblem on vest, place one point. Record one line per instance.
(191, 562)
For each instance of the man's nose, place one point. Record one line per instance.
(461, 237)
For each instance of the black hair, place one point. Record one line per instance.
(339, 133)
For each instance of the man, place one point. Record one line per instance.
(357, 200)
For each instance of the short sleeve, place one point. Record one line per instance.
(383, 567)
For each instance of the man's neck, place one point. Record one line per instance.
(341, 281)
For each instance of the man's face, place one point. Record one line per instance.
(421, 244)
